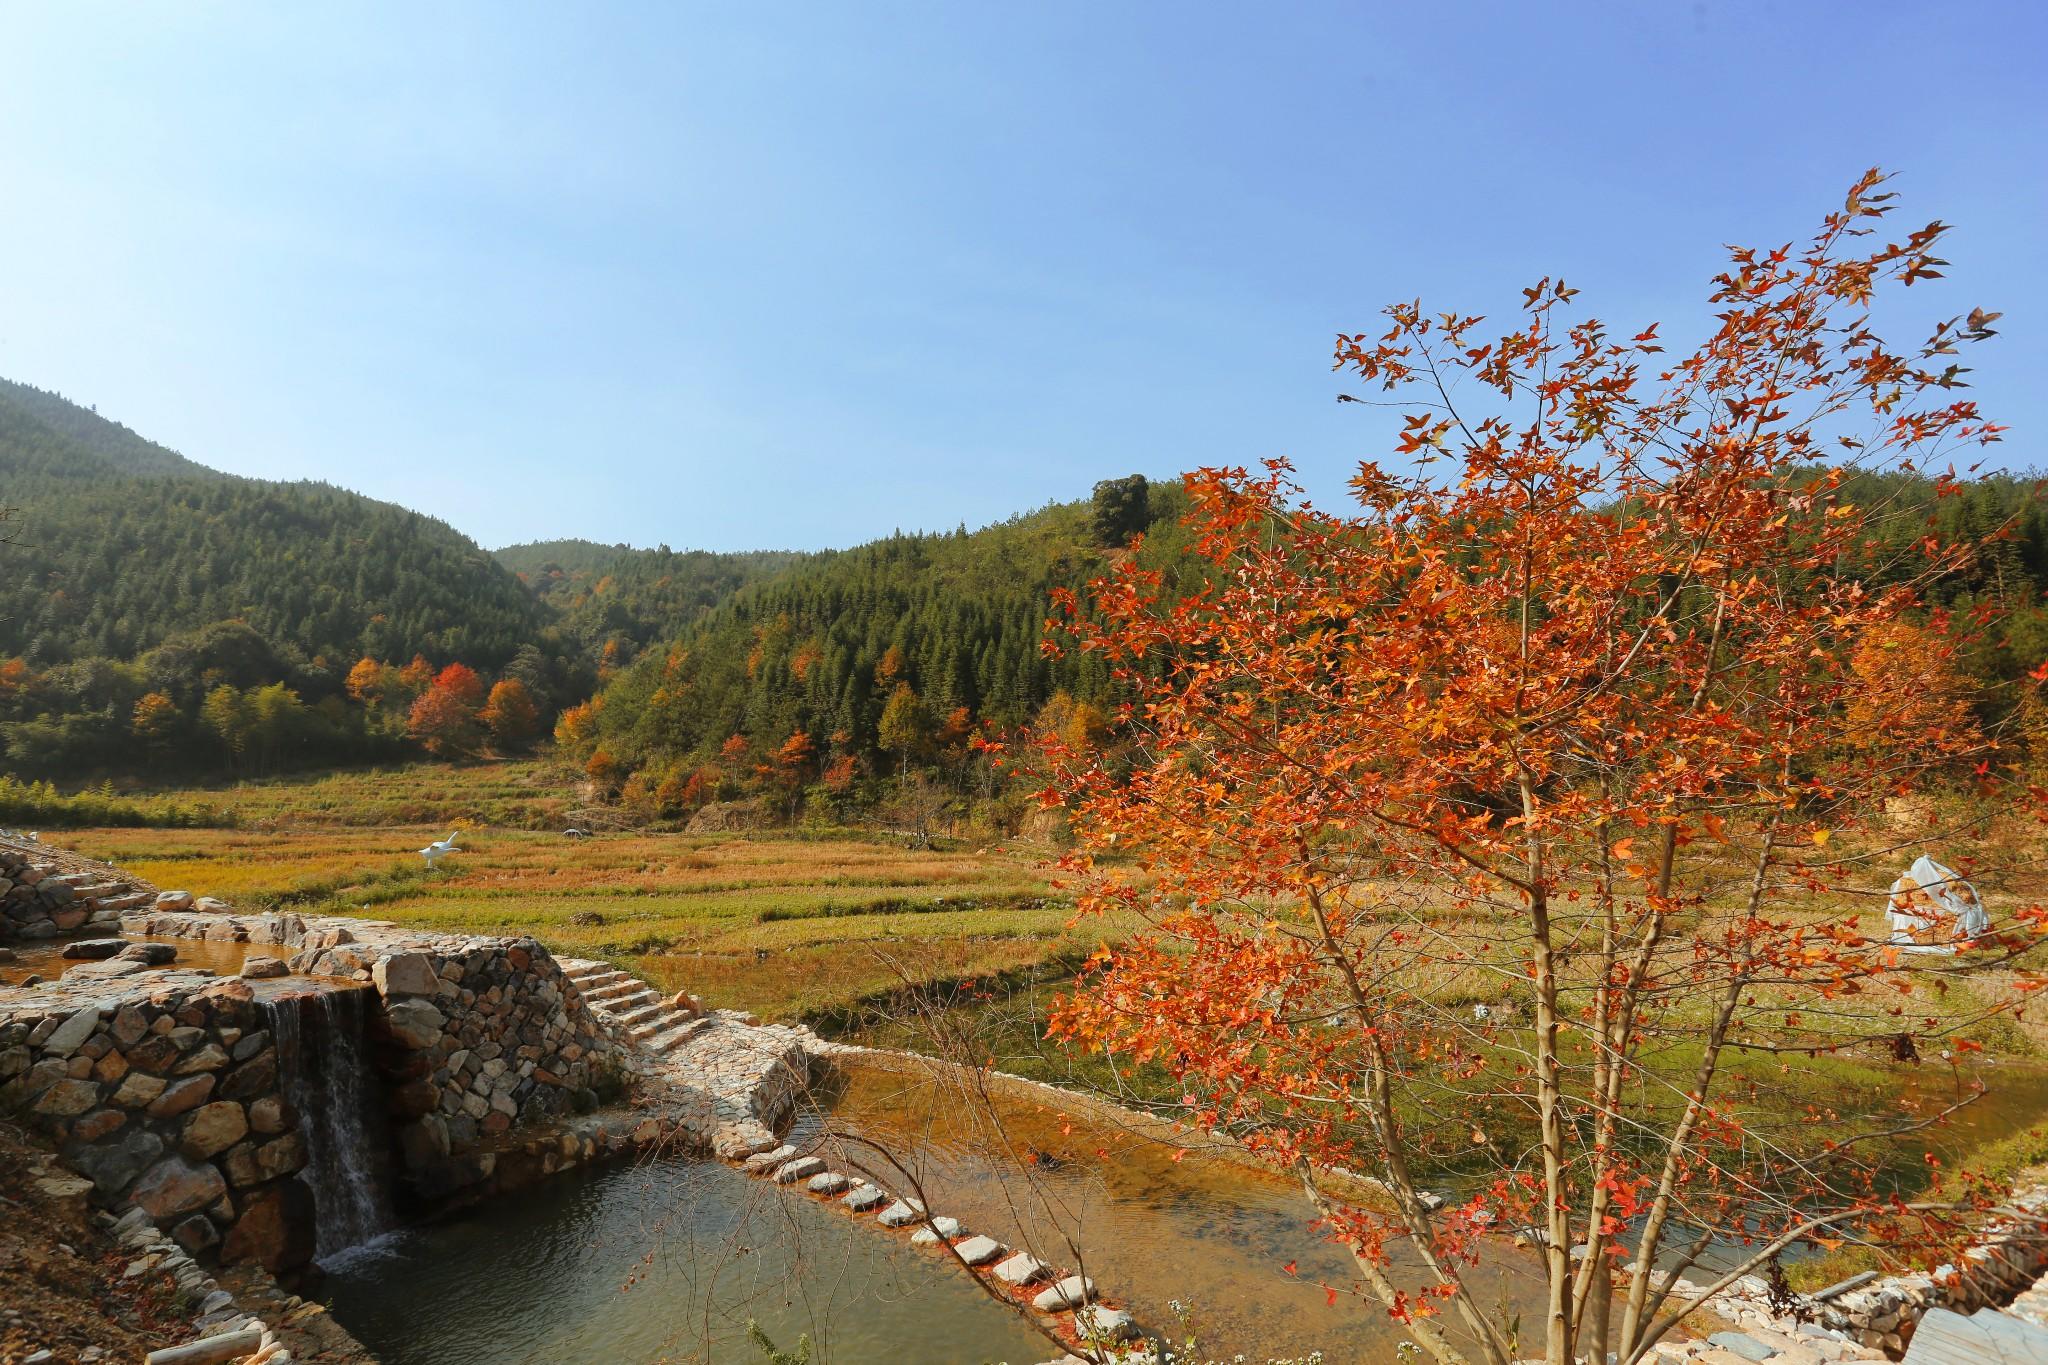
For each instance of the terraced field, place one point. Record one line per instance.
(785, 926)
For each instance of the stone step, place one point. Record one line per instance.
(92, 890)
(632, 1015)
(674, 1034)
(613, 987)
(577, 968)
(134, 900)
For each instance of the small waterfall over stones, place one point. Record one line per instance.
(324, 1068)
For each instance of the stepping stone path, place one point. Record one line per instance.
(865, 1197)
(1071, 1292)
(1023, 1268)
(902, 1213)
(979, 1250)
(738, 1079)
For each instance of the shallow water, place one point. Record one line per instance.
(45, 957)
(665, 1260)
(1208, 1232)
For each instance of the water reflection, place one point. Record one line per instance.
(663, 1261)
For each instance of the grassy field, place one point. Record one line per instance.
(790, 927)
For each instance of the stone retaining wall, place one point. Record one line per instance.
(1880, 1313)
(43, 896)
(164, 1093)
(474, 1034)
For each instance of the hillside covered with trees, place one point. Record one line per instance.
(156, 615)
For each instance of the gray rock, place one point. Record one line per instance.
(1096, 1323)
(768, 1160)
(404, 974)
(149, 954)
(174, 901)
(93, 949)
(264, 968)
(830, 1182)
(67, 1037)
(1023, 1268)
(113, 1166)
(1071, 1292)
(415, 1023)
(1748, 1347)
(948, 1229)
(792, 1171)
(901, 1214)
(865, 1197)
(979, 1250)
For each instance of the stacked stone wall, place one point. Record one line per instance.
(166, 1097)
(474, 1036)
(43, 897)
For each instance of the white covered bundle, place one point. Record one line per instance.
(1932, 906)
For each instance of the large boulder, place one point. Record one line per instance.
(113, 1166)
(275, 1229)
(404, 974)
(93, 949)
(176, 1186)
(212, 1129)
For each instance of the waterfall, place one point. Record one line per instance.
(324, 1068)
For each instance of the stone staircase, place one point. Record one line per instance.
(632, 1009)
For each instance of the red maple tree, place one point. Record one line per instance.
(1507, 833)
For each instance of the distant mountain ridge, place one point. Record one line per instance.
(48, 432)
(121, 543)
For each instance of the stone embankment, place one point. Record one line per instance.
(44, 893)
(473, 1034)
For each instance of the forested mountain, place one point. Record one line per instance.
(614, 600)
(156, 613)
(120, 544)
(48, 435)
(870, 659)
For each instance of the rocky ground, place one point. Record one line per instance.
(64, 1296)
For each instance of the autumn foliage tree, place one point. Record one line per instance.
(444, 718)
(510, 714)
(1513, 817)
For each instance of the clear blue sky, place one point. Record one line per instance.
(794, 275)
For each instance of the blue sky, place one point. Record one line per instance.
(793, 275)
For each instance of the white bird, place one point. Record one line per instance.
(1482, 1013)
(434, 851)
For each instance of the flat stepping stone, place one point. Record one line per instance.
(865, 1197)
(948, 1229)
(789, 1172)
(1071, 1292)
(1023, 1268)
(762, 1161)
(831, 1182)
(1098, 1324)
(902, 1213)
(979, 1250)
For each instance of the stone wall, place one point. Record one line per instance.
(474, 1035)
(1880, 1312)
(165, 1095)
(42, 896)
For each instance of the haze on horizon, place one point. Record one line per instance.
(796, 278)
